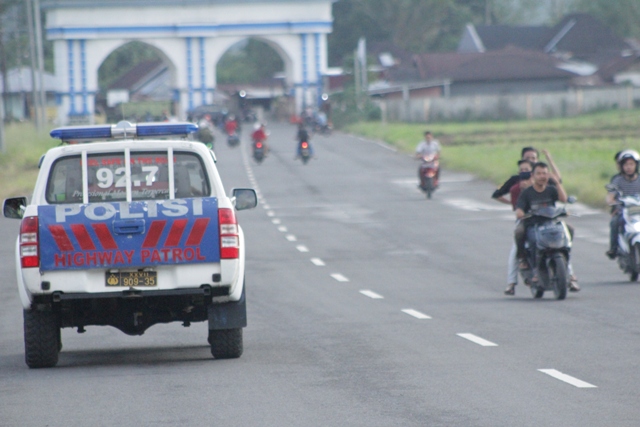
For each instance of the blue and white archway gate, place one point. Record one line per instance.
(191, 36)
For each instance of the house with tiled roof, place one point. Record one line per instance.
(583, 43)
(507, 71)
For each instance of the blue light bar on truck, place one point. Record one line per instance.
(123, 130)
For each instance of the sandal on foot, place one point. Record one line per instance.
(511, 289)
(573, 284)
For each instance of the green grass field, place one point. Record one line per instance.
(582, 147)
(19, 164)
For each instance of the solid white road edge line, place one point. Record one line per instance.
(567, 378)
(415, 313)
(339, 277)
(371, 294)
(477, 340)
(318, 262)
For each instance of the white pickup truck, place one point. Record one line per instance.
(129, 226)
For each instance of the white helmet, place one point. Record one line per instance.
(629, 154)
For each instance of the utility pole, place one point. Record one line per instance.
(487, 12)
(32, 54)
(40, 54)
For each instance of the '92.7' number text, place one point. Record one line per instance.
(106, 176)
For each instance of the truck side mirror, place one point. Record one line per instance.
(244, 198)
(14, 207)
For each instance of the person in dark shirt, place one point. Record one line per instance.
(529, 154)
(537, 196)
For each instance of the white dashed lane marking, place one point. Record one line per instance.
(302, 248)
(339, 277)
(291, 238)
(271, 213)
(415, 313)
(275, 221)
(282, 229)
(477, 340)
(318, 262)
(567, 378)
(371, 294)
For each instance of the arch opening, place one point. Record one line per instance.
(135, 83)
(256, 74)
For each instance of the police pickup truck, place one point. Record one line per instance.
(129, 230)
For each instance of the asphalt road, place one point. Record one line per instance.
(368, 305)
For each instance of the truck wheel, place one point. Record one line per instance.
(41, 338)
(226, 343)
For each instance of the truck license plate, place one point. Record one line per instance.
(132, 278)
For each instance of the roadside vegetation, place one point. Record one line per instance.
(582, 147)
(19, 164)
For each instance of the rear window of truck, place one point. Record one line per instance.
(107, 177)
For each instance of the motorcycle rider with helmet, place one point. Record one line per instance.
(427, 147)
(260, 134)
(628, 184)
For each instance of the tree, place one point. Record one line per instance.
(249, 62)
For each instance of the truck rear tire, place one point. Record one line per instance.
(41, 338)
(226, 343)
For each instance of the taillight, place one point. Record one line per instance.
(229, 240)
(29, 256)
(305, 145)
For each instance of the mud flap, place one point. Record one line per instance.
(229, 315)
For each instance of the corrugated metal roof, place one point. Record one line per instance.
(507, 64)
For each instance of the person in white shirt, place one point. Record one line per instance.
(429, 146)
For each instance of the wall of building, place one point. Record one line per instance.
(518, 106)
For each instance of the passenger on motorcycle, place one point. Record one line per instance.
(429, 146)
(530, 154)
(628, 184)
(260, 134)
(537, 196)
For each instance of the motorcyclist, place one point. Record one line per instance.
(429, 146)
(537, 196)
(260, 134)
(628, 184)
(302, 136)
(205, 130)
(231, 125)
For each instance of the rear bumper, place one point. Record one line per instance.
(134, 311)
(205, 291)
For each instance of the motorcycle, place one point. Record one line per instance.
(258, 151)
(305, 151)
(548, 246)
(429, 174)
(629, 236)
(233, 139)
